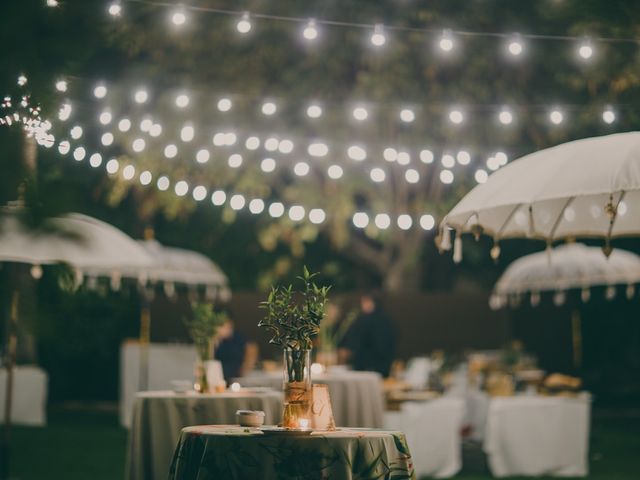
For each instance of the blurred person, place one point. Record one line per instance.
(369, 344)
(237, 354)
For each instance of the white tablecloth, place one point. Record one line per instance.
(538, 436)
(357, 398)
(166, 362)
(158, 418)
(432, 429)
(29, 406)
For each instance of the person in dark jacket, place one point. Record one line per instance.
(238, 356)
(369, 344)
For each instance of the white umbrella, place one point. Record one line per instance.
(585, 188)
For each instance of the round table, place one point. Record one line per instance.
(357, 398)
(231, 452)
(159, 416)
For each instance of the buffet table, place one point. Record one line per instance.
(29, 405)
(356, 397)
(232, 452)
(158, 418)
(432, 429)
(538, 435)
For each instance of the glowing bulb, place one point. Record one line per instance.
(285, 146)
(252, 143)
(61, 86)
(105, 118)
(112, 166)
(377, 38)
(556, 117)
(609, 116)
(100, 91)
(107, 139)
(585, 50)
(178, 18)
(377, 175)
(360, 113)
(219, 139)
(318, 149)
(446, 41)
(357, 153)
(244, 24)
(463, 157)
(412, 176)
(182, 100)
(115, 9)
(163, 183)
(52, 3)
(155, 130)
(124, 125)
(296, 213)
(76, 132)
(268, 165)
(269, 108)
(79, 153)
(515, 47)
(382, 221)
(403, 158)
(141, 96)
(128, 172)
(65, 112)
(448, 161)
(310, 31)
(138, 145)
(64, 147)
(276, 209)
(427, 222)
(407, 115)
(95, 160)
(235, 160)
(301, 169)
(170, 151)
(493, 163)
(446, 177)
(146, 124)
(505, 117)
(187, 133)
(501, 158)
(199, 193)
(230, 139)
(314, 111)
(456, 116)
(360, 219)
(203, 156)
(390, 154)
(224, 104)
(181, 188)
(271, 144)
(404, 221)
(145, 178)
(335, 172)
(317, 216)
(218, 198)
(256, 206)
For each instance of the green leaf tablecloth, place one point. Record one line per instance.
(227, 452)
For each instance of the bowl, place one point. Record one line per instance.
(250, 418)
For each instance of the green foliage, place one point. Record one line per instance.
(203, 327)
(294, 323)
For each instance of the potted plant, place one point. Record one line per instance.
(202, 329)
(293, 318)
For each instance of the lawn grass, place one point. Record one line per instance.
(82, 445)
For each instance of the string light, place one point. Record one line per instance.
(427, 222)
(146, 124)
(256, 206)
(448, 161)
(181, 188)
(100, 91)
(608, 115)
(318, 149)
(505, 116)
(493, 163)
(412, 176)
(224, 104)
(285, 146)
(515, 46)
(124, 125)
(556, 117)
(301, 169)
(64, 147)
(404, 221)
(146, 178)
(218, 198)
(446, 41)
(112, 166)
(235, 160)
(310, 31)
(446, 177)
(95, 160)
(403, 158)
(52, 3)
(378, 38)
(314, 111)
(390, 154)
(182, 100)
(585, 49)
(269, 108)
(271, 144)
(407, 115)
(357, 153)
(317, 216)
(105, 117)
(141, 96)
(187, 133)
(377, 175)
(163, 183)
(360, 219)
(170, 151)
(138, 145)
(244, 24)
(155, 130)
(115, 9)
(76, 132)
(268, 165)
(128, 172)
(61, 85)
(199, 193)
(203, 156)
(276, 209)
(335, 172)
(179, 17)
(79, 153)
(382, 221)
(107, 139)
(426, 156)
(456, 116)
(360, 114)
(463, 157)
(252, 143)
(296, 213)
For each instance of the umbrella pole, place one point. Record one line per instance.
(145, 340)
(8, 400)
(576, 336)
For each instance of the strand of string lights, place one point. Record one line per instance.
(447, 40)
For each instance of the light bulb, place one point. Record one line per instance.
(268, 165)
(145, 178)
(296, 213)
(456, 116)
(285, 146)
(170, 151)
(427, 222)
(585, 49)
(505, 117)
(100, 91)
(178, 17)
(244, 24)
(310, 31)
(556, 117)
(163, 183)
(360, 219)
(224, 104)
(235, 160)
(128, 172)
(412, 175)
(515, 46)
(256, 206)
(252, 143)
(446, 41)
(187, 133)
(115, 9)
(426, 156)
(377, 175)
(276, 209)
(448, 161)
(141, 96)
(61, 85)
(95, 160)
(382, 221)
(181, 188)
(317, 216)
(124, 125)
(203, 156)
(378, 38)
(314, 111)
(463, 157)
(138, 145)
(335, 172)
(105, 118)
(609, 116)
(318, 149)
(357, 153)
(407, 115)
(360, 113)
(446, 177)
(301, 169)
(218, 198)
(107, 139)
(199, 193)
(269, 108)
(404, 221)
(182, 100)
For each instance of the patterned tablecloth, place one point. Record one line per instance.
(217, 452)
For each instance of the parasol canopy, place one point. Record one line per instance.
(584, 188)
